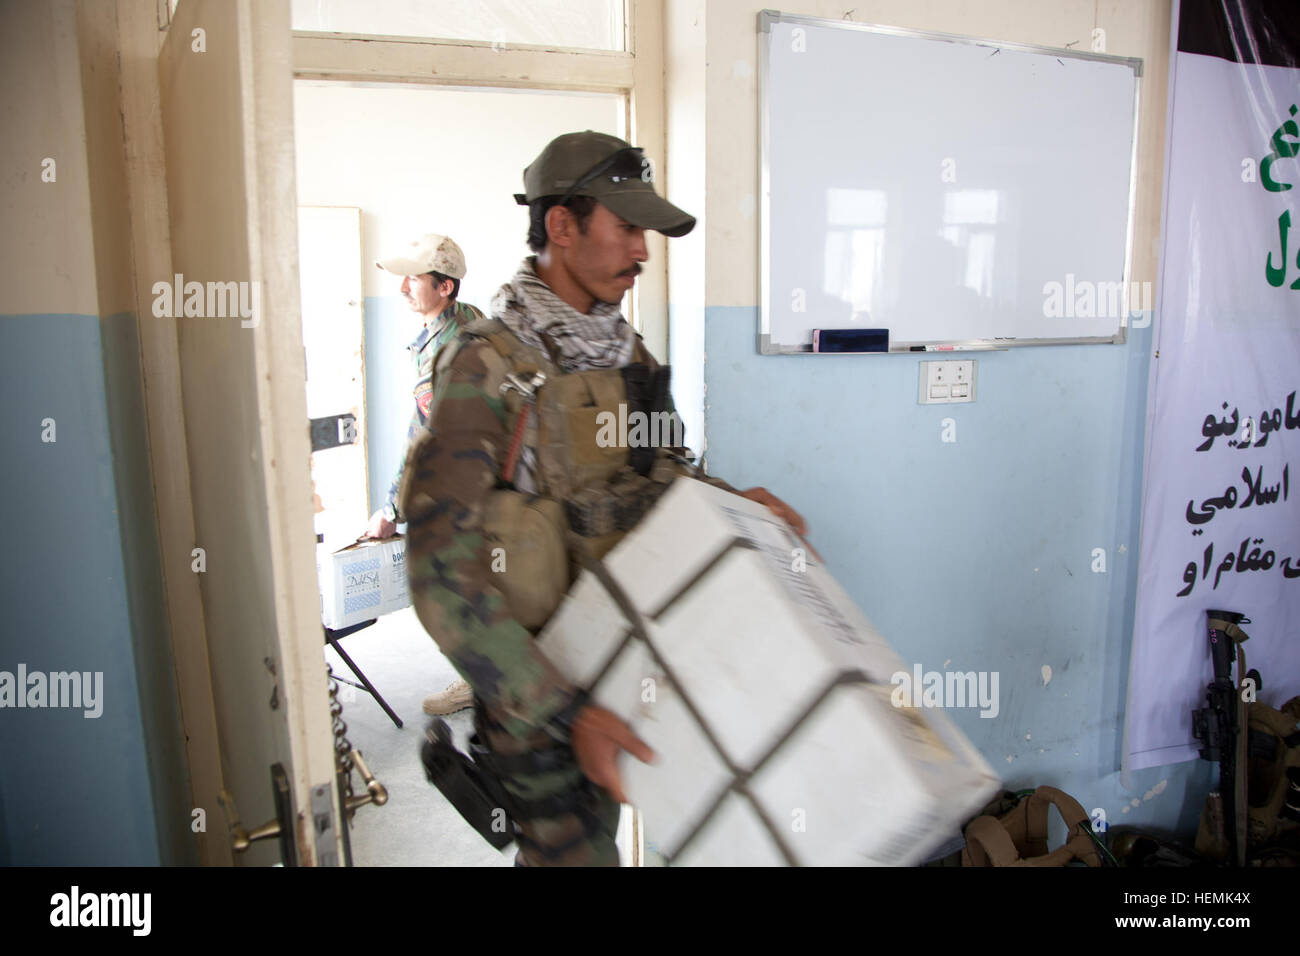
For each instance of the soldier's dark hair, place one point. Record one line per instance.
(439, 278)
(581, 206)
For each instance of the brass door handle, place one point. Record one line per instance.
(282, 826)
(376, 792)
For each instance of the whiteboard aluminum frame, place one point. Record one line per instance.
(765, 347)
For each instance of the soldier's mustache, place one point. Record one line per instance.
(633, 272)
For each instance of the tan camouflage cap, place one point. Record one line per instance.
(429, 253)
(605, 168)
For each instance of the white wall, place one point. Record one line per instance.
(422, 159)
(684, 82)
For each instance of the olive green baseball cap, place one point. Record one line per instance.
(608, 170)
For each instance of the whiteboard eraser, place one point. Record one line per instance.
(850, 340)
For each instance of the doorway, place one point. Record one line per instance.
(397, 161)
(227, 116)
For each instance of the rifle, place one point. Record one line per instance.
(1220, 726)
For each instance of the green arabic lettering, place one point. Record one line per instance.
(1282, 149)
(1276, 276)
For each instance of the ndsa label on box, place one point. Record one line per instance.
(362, 581)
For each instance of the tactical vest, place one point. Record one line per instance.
(591, 490)
(1273, 777)
(1267, 792)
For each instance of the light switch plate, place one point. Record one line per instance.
(950, 382)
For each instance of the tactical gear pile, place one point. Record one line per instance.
(1253, 817)
(1273, 780)
(1012, 831)
(1019, 837)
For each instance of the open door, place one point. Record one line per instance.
(329, 257)
(227, 115)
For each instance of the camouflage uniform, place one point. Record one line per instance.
(424, 352)
(522, 701)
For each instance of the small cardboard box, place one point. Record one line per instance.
(362, 581)
(767, 695)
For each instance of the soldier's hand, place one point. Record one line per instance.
(380, 526)
(598, 737)
(777, 507)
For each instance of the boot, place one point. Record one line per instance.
(456, 697)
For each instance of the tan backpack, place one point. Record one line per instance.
(1019, 837)
(1272, 767)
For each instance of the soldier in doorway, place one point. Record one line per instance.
(431, 268)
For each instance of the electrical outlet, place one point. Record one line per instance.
(947, 383)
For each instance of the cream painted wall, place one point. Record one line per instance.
(1132, 28)
(101, 91)
(47, 262)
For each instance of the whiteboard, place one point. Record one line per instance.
(953, 191)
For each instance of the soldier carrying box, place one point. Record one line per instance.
(509, 474)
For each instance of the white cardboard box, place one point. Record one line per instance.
(362, 581)
(766, 693)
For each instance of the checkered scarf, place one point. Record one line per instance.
(600, 339)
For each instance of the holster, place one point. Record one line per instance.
(475, 793)
(647, 393)
(472, 783)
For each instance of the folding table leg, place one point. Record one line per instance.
(370, 688)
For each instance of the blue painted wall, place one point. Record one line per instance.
(80, 591)
(976, 554)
